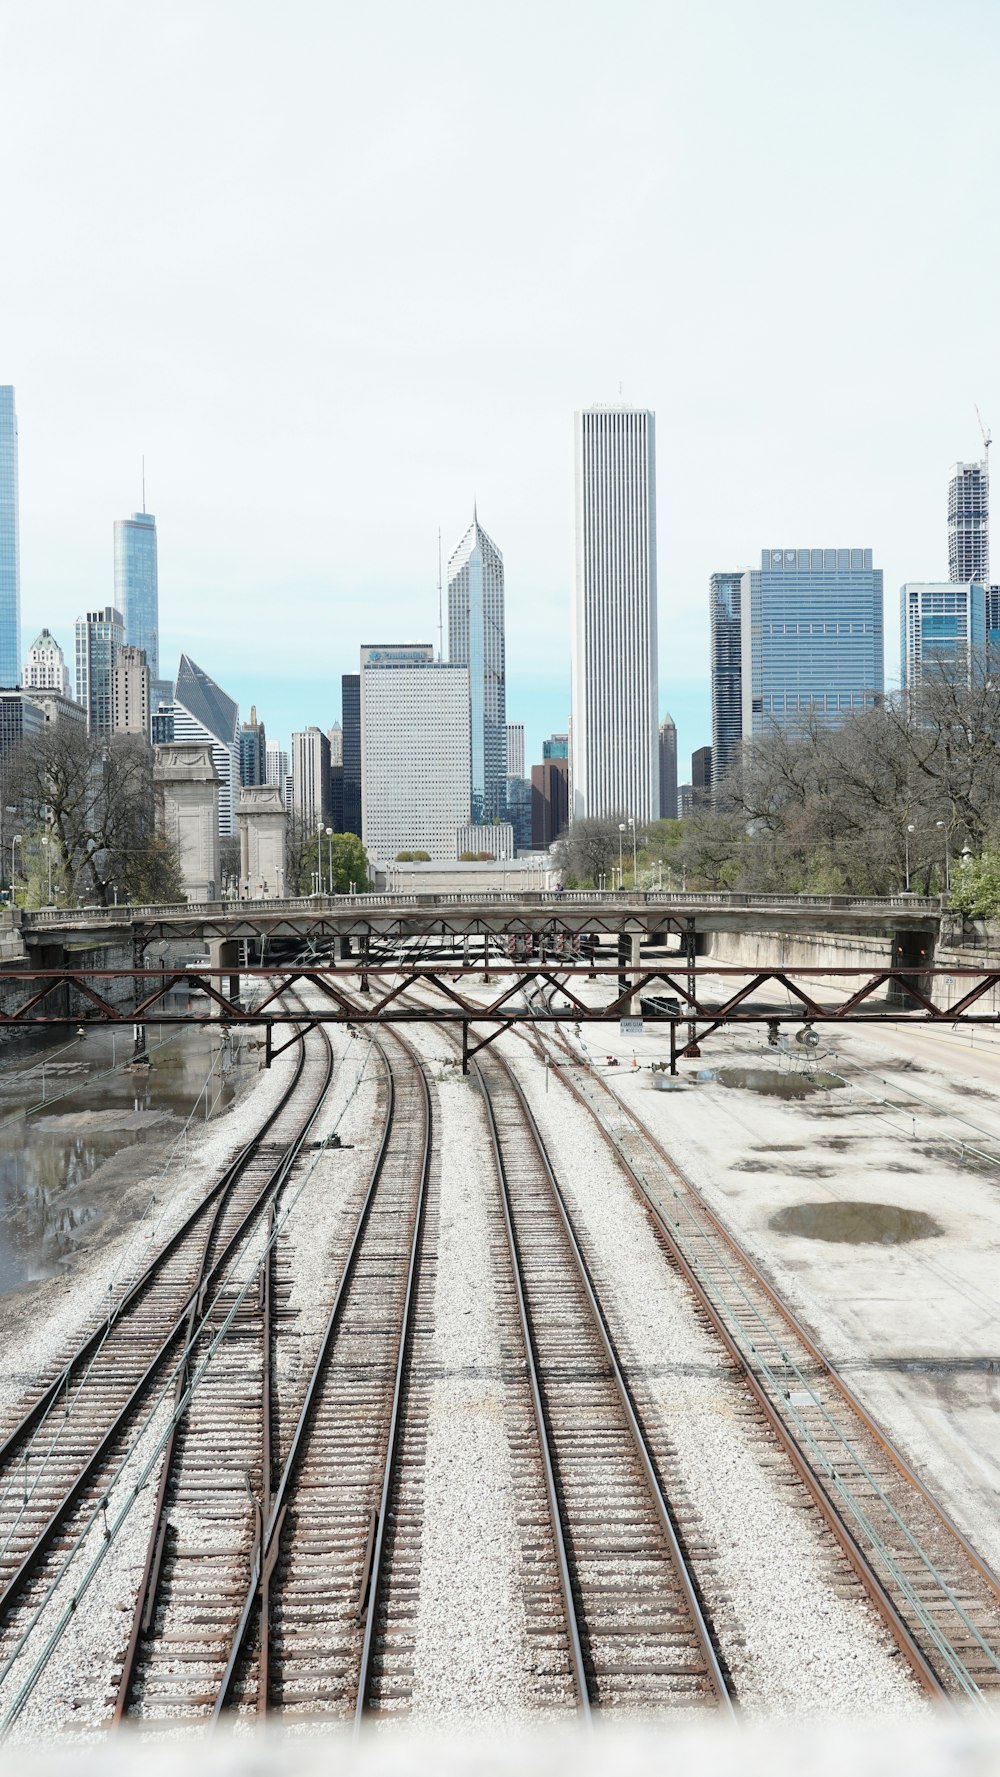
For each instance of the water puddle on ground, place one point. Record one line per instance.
(857, 1224)
(63, 1169)
(772, 1084)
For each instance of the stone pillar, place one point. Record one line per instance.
(224, 953)
(263, 827)
(188, 791)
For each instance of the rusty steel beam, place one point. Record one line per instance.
(361, 992)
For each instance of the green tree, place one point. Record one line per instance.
(349, 859)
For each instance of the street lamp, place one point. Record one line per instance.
(943, 827)
(48, 859)
(906, 851)
(621, 840)
(635, 858)
(329, 858)
(15, 841)
(319, 855)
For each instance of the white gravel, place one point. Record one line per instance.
(471, 1656)
(806, 1649)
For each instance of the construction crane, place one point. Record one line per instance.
(987, 438)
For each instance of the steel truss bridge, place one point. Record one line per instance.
(701, 998)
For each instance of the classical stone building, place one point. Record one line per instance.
(263, 822)
(189, 784)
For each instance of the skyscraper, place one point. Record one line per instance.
(727, 690)
(253, 751)
(668, 769)
(415, 776)
(350, 714)
(476, 641)
(810, 637)
(45, 667)
(701, 777)
(99, 635)
(136, 590)
(515, 749)
(614, 658)
(10, 553)
(279, 773)
(969, 522)
(942, 631)
(130, 692)
(311, 778)
(201, 710)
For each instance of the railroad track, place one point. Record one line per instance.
(939, 1599)
(57, 1461)
(633, 1632)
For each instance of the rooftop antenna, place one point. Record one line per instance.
(440, 605)
(987, 438)
(144, 483)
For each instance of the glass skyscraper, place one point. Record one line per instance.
(136, 594)
(969, 523)
(727, 688)
(476, 640)
(99, 635)
(10, 554)
(942, 631)
(810, 637)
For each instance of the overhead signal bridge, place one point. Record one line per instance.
(493, 996)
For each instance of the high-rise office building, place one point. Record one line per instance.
(519, 811)
(415, 757)
(10, 550)
(515, 749)
(99, 635)
(253, 751)
(476, 641)
(311, 778)
(335, 735)
(350, 716)
(614, 655)
(130, 692)
(136, 589)
(556, 747)
(942, 632)
(20, 719)
(668, 769)
(549, 801)
(279, 772)
(810, 637)
(701, 777)
(969, 522)
(201, 710)
(727, 689)
(45, 666)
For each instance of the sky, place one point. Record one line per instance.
(337, 271)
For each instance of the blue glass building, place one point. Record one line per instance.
(811, 637)
(942, 630)
(10, 556)
(476, 640)
(136, 593)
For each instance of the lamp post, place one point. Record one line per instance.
(943, 827)
(16, 840)
(621, 868)
(635, 855)
(48, 859)
(319, 856)
(329, 859)
(910, 828)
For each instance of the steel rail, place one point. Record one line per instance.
(886, 1606)
(22, 1574)
(142, 1616)
(641, 1446)
(266, 1554)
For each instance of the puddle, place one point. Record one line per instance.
(63, 1170)
(771, 1084)
(859, 1224)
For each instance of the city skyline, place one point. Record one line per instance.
(788, 405)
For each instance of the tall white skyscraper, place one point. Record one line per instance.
(476, 641)
(515, 749)
(45, 667)
(969, 522)
(614, 768)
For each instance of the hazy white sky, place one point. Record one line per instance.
(336, 269)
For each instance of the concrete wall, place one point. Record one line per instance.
(830, 950)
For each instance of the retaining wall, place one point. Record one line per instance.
(829, 950)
